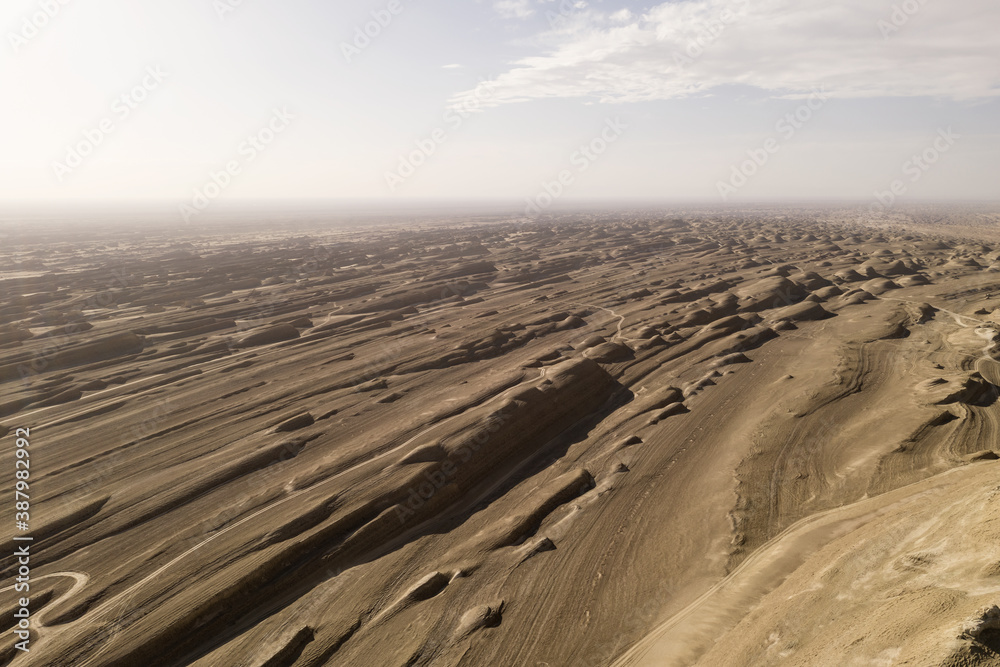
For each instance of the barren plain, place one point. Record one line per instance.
(762, 439)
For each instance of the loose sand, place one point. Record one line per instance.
(745, 440)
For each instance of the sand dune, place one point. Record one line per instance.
(743, 440)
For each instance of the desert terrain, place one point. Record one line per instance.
(765, 437)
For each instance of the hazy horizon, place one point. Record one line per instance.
(200, 104)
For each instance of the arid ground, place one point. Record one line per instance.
(756, 438)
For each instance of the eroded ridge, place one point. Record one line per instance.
(628, 440)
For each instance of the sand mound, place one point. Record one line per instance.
(826, 293)
(849, 276)
(570, 322)
(295, 423)
(728, 325)
(483, 616)
(60, 398)
(879, 286)
(46, 360)
(610, 353)
(897, 268)
(802, 312)
(591, 341)
(773, 292)
(515, 529)
(659, 398)
(913, 280)
(276, 334)
(697, 318)
(730, 359)
(462, 271)
(811, 281)
(856, 297)
(989, 369)
(959, 262)
(671, 410)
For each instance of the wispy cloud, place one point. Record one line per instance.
(785, 47)
(514, 9)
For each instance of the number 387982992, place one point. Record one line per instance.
(22, 465)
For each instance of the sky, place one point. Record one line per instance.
(533, 101)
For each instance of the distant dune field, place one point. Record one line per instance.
(746, 440)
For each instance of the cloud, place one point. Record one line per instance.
(511, 9)
(621, 16)
(788, 48)
(452, 66)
